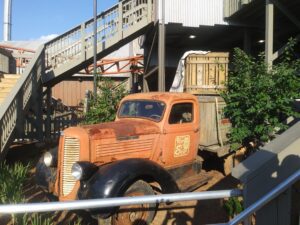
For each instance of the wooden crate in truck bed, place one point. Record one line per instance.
(206, 74)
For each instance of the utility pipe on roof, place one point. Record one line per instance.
(7, 20)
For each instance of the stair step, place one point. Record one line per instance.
(6, 85)
(5, 89)
(9, 80)
(3, 94)
(12, 76)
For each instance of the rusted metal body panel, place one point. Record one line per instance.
(170, 145)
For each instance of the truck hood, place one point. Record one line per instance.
(121, 129)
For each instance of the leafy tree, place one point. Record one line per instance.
(259, 98)
(104, 106)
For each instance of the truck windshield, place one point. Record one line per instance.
(142, 108)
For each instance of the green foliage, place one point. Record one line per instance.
(12, 179)
(233, 206)
(259, 99)
(103, 107)
(38, 219)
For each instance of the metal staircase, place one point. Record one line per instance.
(64, 56)
(73, 50)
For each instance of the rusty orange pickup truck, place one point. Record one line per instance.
(152, 146)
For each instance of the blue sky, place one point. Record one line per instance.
(34, 19)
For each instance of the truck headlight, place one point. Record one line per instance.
(83, 170)
(50, 159)
(77, 171)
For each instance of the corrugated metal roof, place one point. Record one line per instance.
(192, 13)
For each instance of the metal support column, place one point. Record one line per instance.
(269, 32)
(7, 20)
(161, 49)
(95, 48)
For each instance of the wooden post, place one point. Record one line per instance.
(269, 33)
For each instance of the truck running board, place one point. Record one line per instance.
(192, 183)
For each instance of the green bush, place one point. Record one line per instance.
(104, 106)
(12, 179)
(259, 99)
(233, 206)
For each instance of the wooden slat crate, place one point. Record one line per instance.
(214, 127)
(206, 74)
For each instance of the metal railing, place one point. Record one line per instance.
(58, 122)
(76, 45)
(164, 198)
(275, 192)
(120, 201)
(14, 105)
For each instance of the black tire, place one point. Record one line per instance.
(136, 214)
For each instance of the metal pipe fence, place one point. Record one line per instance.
(119, 201)
(164, 198)
(275, 192)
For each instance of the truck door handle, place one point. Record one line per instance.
(196, 129)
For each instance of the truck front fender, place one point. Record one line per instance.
(112, 180)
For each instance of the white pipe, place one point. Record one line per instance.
(113, 202)
(7, 20)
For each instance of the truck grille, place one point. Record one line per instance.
(124, 147)
(70, 156)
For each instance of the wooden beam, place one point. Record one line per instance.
(281, 50)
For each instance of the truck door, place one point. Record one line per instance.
(180, 134)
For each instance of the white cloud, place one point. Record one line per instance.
(46, 38)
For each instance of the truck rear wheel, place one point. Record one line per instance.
(136, 214)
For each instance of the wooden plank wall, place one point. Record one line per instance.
(72, 92)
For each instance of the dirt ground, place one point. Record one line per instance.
(181, 213)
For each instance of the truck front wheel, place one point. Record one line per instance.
(136, 214)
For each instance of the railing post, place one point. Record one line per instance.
(83, 44)
(120, 21)
(48, 119)
(20, 128)
(149, 10)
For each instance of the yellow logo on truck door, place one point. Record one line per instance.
(182, 145)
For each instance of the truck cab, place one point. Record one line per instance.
(153, 140)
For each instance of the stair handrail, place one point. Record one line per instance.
(275, 192)
(114, 23)
(17, 99)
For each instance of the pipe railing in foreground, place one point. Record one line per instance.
(265, 199)
(119, 201)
